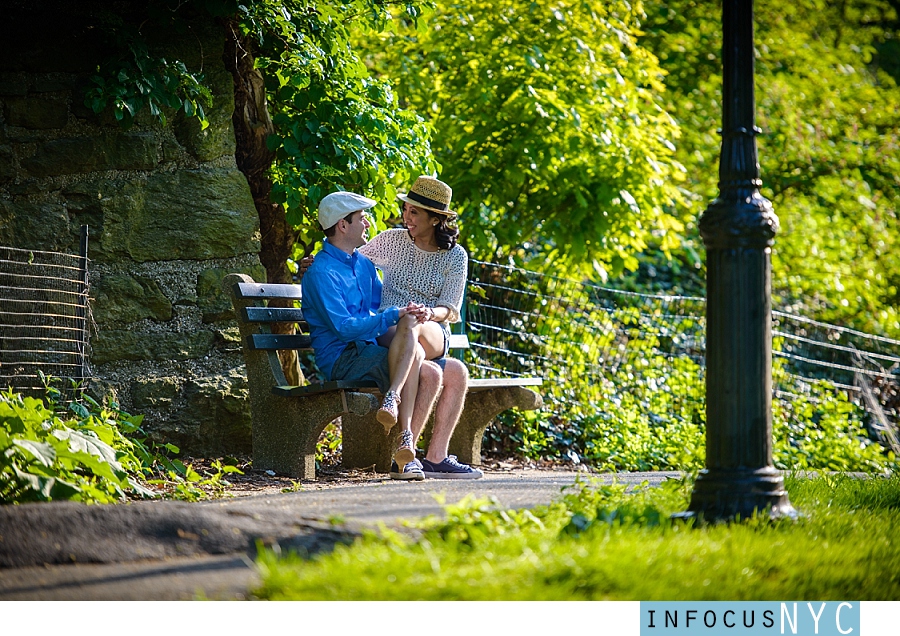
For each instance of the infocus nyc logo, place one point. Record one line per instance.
(757, 618)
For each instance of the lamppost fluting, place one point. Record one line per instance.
(738, 230)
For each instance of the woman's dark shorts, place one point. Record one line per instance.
(446, 329)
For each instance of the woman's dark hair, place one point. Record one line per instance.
(445, 235)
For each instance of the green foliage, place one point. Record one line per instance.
(548, 123)
(329, 446)
(625, 385)
(43, 457)
(606, 542)
(822, 429)
(829, 154)
(336, 127)
(91, 453)
(640, 428)
(133, 79)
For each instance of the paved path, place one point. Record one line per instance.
(164, 550)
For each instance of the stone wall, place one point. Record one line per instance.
(168, 211)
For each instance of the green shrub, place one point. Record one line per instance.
(91, 453)
(651, 416)
(43, 457)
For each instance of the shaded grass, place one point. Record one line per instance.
(600, 542)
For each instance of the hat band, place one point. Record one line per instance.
(418, 198)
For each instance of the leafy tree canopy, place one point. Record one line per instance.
(548, 123)
(336, 127)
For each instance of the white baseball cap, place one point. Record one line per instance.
(337, 205)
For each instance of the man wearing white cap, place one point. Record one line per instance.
(341, 298)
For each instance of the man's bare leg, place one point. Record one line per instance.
(430, 379)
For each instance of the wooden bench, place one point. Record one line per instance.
(288, 420)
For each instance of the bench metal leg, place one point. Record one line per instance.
(285, 430)
(481, 408)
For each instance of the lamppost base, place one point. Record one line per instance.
(728, 495)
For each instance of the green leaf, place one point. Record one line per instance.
(44, 453)
(80, 442)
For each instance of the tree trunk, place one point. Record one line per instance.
(252, 125)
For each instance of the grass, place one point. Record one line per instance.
(603, 543)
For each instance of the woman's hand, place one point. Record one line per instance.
(303, 265)
(421, 312)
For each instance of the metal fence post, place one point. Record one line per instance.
(83, 304)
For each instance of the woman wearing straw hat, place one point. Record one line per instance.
(423, 264)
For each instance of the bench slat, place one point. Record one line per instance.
(272, 314)
(493, 383)
(312, 389)
(459, 341)
(265, 290)
(270, 342)
(356, 385)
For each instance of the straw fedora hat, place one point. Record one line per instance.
(430, 194)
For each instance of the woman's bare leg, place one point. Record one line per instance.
(403, 361)
(430, 336)
(407, 452)
(402, 352)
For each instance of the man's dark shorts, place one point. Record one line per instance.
(367, 361)
(363, 361)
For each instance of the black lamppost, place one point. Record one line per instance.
(738, 230)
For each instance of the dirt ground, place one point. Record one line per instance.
(330, 474)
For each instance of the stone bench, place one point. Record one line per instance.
(288, 420)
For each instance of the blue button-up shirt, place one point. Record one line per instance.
(341, 296)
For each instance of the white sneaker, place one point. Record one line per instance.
(412, 471)
(405, 453)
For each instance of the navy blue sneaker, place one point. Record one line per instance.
(411, 471)
(450, 469)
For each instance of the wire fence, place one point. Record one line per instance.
(44, 314)
(588, 341)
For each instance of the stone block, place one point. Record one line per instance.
(36, 113)
(190, 214)
(217, 139)
(7, 164)
(228, 340)
(218, 408)
(150, 393)
(123, 299)
(35, 226)
(76, 155)
(111, 345)
(13, 84)
(25, 188)
(212, 299)
(53, 82)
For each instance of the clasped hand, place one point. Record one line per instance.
(422, 313)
